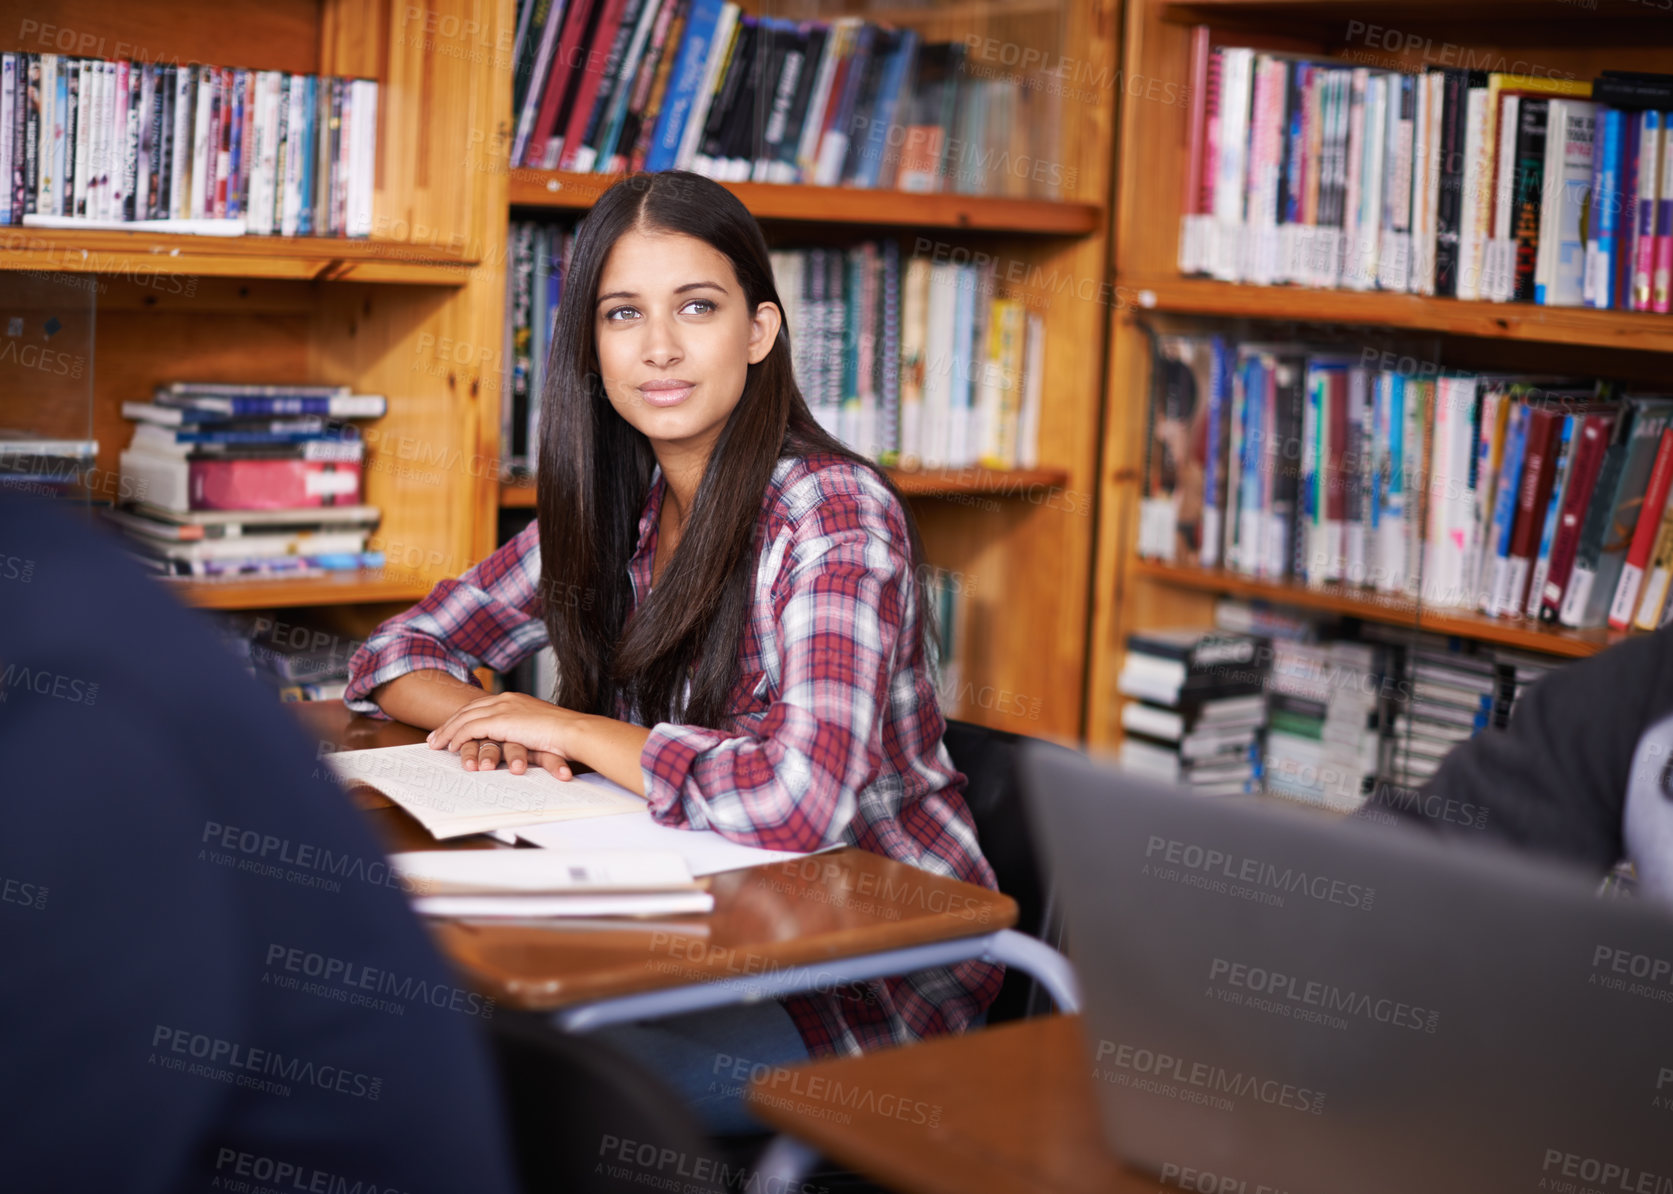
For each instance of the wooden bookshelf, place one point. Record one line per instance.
(157, 258)
(337, 588)
(1550, 36)
(1027, 484)
(1020, 542)
(413, 313)
(1391, 609)
(556, 191)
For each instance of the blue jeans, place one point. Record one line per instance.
(709, 1057)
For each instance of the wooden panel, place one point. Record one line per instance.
(271, 35)
(551, 190)
(1013, 1113)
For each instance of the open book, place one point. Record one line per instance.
(449, 801)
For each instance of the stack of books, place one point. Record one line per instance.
(612, 85)
(1325, 715)
(1197, 708)
(931, 366)
(1473, 184)
(187, 147)
(248, 481)
(1448, 690)
(1515, 495)
(43, 466)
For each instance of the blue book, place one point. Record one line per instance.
(882, 115)
(60, 144)
(309, 150)
(1214, 452)
(1497, 583)
(235, 198)
(1391, 558)
(1606, 210)
(683, 83)
(1250, 460)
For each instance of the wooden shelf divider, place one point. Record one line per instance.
(1386, 309)
(146, 255)
(1391, 609)
(336, 588)
(559, 191)
(929, 483)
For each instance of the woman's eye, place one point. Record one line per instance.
(618, 314)
(700, 306)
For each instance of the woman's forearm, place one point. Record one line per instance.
(612, 748)
(424, 698)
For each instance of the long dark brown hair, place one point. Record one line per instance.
(595, 473)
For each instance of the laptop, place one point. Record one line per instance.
(1277, 1000)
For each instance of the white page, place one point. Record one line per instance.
(449, 801)
(540, 872)
(704, 850)
(638, 903)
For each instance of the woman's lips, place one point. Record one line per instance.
(666, 393)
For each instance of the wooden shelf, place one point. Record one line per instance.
(1387, 608)
(337, 588)
(560, 191)
(149, 255)
(1458, 22)
(1498, 321)
(998, 483)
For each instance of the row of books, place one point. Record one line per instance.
(84, 140)
(241, 481)
(1316, 713)
(40, 465)
(1466, 184)
(299, 659)
(926, 367)
(1517, 495)
(612, 85)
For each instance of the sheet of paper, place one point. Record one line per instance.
(449, 801)
(540, 872)
(704, 850)
(642, 903)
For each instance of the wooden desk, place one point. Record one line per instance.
(1005, 1110)
(816, 909)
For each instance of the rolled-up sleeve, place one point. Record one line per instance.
(489, 617)
(790, 781)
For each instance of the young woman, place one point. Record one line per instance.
(732, 598)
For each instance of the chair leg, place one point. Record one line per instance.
(785, 1164)
(1039, 961)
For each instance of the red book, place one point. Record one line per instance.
(212, 144)
(1532, 497)
(1198, 122)
(592, 78)
(1625, 604)
(558, 86)
(223, 161)
(1591, 441)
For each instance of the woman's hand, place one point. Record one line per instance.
(480, 755)
(522, 729)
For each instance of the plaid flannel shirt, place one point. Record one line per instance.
(835, 734)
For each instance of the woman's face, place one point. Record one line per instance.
(675, 337)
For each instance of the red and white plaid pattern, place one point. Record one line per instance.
(835, 734)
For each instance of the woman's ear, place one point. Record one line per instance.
(763, 331)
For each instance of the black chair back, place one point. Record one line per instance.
(988, 759)
(586, 1119)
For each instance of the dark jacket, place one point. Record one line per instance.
(208, 978)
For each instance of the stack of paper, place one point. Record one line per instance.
(533, 883)
(449, 801)
(705, 852)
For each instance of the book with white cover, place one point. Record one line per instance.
(543, 883)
